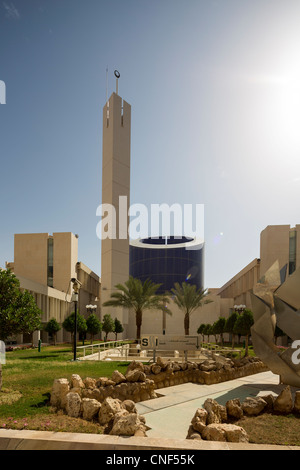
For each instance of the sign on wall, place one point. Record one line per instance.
(169, 342)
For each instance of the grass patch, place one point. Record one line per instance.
(272, 429)
(29, 375)
(8, 397)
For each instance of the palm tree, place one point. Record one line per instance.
(188, 298)
(139, 296)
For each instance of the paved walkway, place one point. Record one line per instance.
(170, 415)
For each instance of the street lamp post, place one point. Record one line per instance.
(75, 296)
(91, 308)
(239, 308)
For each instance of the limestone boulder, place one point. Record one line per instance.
(90, 408)
(199, 420)
(270, 399)
(163, 364)
(234, 409)
(252, 406)
(118, 377)
(60, 389)
(214, 432)
(126, 425)
(89, 383)
(216, 413)
(155, 369)
(192, 434)
(129, 405)
(284, 402)
(104, 382)
(225, 433)
(73, 405)
(76, 381)
(136, 375)
(135, 365)
(208, 366)
(109, 408)
(235, 433)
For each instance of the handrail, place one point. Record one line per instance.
(104, 346)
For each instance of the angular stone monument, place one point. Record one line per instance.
(276, 301)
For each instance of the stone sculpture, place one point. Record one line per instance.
(276, 301)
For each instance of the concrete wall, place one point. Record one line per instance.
(30, 256)
(65, 256)
(274, 245)
(239, 286)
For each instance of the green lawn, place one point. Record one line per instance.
(32, 374)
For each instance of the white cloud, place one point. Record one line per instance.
(11, 11)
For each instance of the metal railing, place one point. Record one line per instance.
(98, 348)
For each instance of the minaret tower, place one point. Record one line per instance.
(116, 192)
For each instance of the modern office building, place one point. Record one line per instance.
(277, 243)
(168, 260)
(45, 265)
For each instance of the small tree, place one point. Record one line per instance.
(108, 325)
(214, 331)
(94, 326)
(229, 326)
(207, 331)
(200, 330)
(243, 326)
(219, 328)
(118, 328)
(18, 310)
(52, 328)
(69, 325)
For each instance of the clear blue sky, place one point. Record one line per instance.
(215, 92)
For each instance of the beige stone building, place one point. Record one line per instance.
(277, 242)
(116, 192)
(45, 265)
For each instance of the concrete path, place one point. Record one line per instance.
(170, 415)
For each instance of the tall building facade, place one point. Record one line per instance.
(277, 243)
(45, 265)
(280, 242)
(116, 193)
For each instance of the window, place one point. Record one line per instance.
(292, 254)
(50, 263)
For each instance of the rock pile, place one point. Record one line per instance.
(208, 371)
(97, 400)
(134, 385)
(214, 422)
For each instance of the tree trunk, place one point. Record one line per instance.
(0, 376)
(246, 345)
(233, 338)
(187, 324)
(138, 324)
